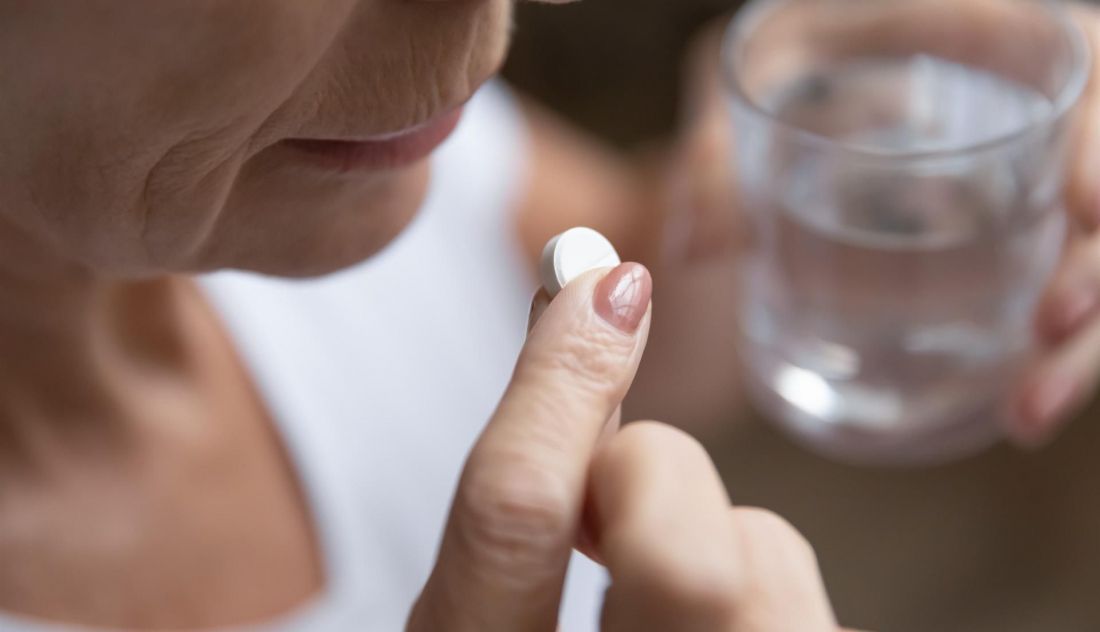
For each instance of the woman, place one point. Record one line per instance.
(232, 451)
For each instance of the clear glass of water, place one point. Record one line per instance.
(901, 165)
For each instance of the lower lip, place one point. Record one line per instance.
(393, 152)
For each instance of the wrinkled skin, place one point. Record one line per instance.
(143, 141)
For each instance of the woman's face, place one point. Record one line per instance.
(187, 135)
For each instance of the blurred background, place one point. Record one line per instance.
(1003, 542)
(610, 66)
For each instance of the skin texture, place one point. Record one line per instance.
(165, 125)
(651, 503)
(140, 145)
(144, 486)
(145, 142)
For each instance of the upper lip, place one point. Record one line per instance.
(389, 135)
(412, 129)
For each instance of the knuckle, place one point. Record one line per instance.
(642, 444)
(673, 574)
(763, 528)
(649, 431)
(650, 437)
(592, 355)
(515, 516)
(583, 366)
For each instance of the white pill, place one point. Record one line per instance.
(571, 254)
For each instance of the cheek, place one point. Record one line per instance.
(124, 211)
(163, 167)
(125, 128)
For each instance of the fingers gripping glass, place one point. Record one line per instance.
(901, 163)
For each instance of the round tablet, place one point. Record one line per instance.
(571, 254)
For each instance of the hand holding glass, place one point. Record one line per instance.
(901, 163)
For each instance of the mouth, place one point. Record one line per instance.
(387, 152)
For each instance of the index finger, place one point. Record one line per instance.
(517, 511)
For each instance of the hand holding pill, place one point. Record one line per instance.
(653, 507)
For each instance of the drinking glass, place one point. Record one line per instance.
(901, 166)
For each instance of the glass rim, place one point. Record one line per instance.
(746, 21)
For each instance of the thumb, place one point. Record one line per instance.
(517, 510)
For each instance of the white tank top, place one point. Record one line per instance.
(380, 387)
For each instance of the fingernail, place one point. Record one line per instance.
(622, 297)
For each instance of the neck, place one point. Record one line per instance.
(48, 308)
(70, 342)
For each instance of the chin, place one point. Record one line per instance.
(302, 228)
